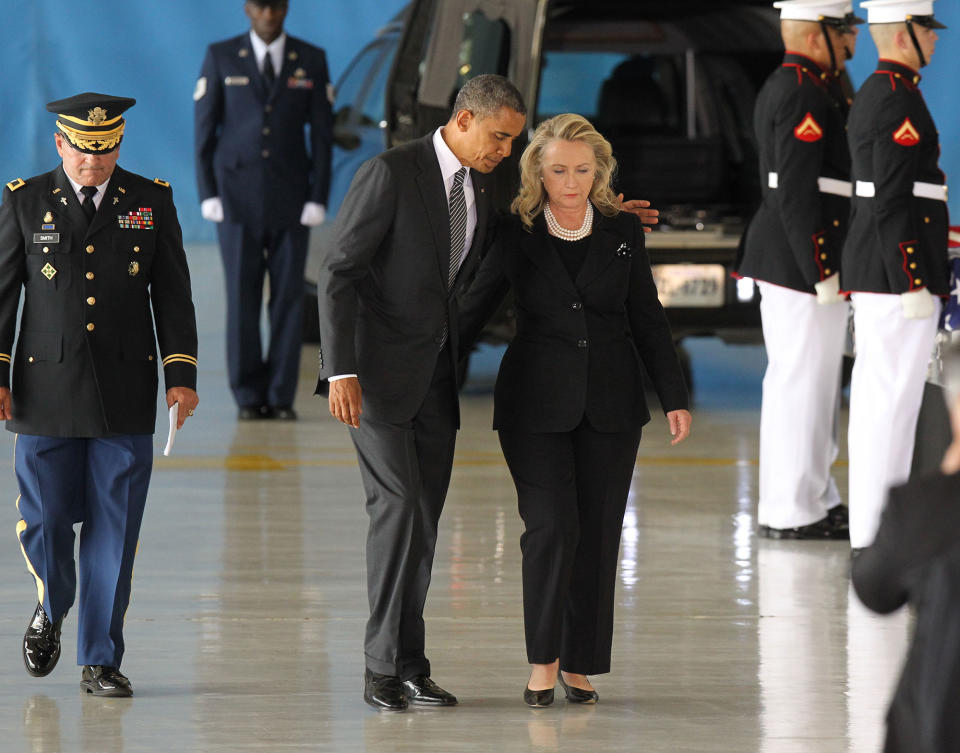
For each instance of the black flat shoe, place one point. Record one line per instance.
(422, 691)
(823, 530)
(105, 681)
(383, 692)
(839, 515)
(538, 699)
(41, 644)
(578, 695)
(254, 413)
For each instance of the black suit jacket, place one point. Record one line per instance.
(86, 357)
(251, 142)
(915, 558)
(581, 344)
(383, 288)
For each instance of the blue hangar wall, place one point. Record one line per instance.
(152, 51)
(149, 50)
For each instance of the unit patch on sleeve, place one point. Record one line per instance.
(906, 134)
(808, 130)
(141, 219)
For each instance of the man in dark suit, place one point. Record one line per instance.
(409, 234)
(915, 558)
(256, 97)
(99, 255)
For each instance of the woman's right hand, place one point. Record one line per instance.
(679, 421)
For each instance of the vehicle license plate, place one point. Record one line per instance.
(690, 285)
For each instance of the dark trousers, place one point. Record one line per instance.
(572, 493)
(101, 484)
(406, 471)
(248, 254)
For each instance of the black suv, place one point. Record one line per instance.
(671, 85)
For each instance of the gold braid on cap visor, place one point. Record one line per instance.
(98, 141)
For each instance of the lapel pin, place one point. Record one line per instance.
(292, 56)
(56, 191)
(48, 217)
(243, 52)
(133, 269)
(121, 190)
(63, 200)
(116, 200)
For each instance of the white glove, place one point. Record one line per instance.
(212, 209)
(828, 291)
(313, 214)
(917, 304)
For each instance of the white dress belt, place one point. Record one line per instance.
(935, 191)
(826, 185)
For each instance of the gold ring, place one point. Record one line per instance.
(189, 412)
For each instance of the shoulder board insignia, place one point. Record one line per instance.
(906, 134)
(161, 182)
(808, 130)
(13, 185)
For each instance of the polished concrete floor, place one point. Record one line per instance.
(245, 629)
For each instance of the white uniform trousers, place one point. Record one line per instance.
(798, 417)
(892, 357)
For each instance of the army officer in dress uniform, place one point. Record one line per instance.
(895, 258)
(256, 97)
(792, 249)
(99, 256)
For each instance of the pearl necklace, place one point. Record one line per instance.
(569, 235)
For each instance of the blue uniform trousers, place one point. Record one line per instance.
(102, 484)
(248, 253)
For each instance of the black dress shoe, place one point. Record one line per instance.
(538, 699)
(284, 413)
(41, 644)
(578, 695)
(839, 515)
(253, 412)
(383, 692)
(105, 681)
(823, 530)
(422, 691)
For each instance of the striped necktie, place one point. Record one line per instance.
(457, 205)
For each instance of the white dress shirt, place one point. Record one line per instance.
(97, 198)
(275, 48)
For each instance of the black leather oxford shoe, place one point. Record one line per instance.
(284, 413)
(823, 530)
(254, 412)
(41, 644)
(105, 681)
(422, 691)
(577, 695)
(839, 515)
(383, 692)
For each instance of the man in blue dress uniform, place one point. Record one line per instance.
(98, 254)
(257, 96)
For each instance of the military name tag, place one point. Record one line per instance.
(46, 237)
(236, 80)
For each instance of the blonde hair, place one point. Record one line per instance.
(532, 197)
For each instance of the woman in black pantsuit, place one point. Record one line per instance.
(569, 402)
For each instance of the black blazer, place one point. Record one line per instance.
(382, 289)
(915, 558)
(97, 301)
(581, 344)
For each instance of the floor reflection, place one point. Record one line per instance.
(802, 640)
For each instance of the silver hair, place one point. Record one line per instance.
(487, 94)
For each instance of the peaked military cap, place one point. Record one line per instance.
(91, 122)
(837, 13)
(919, 12)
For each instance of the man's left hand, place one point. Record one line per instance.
(641, 208)
(6, 404)
(187, 399)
